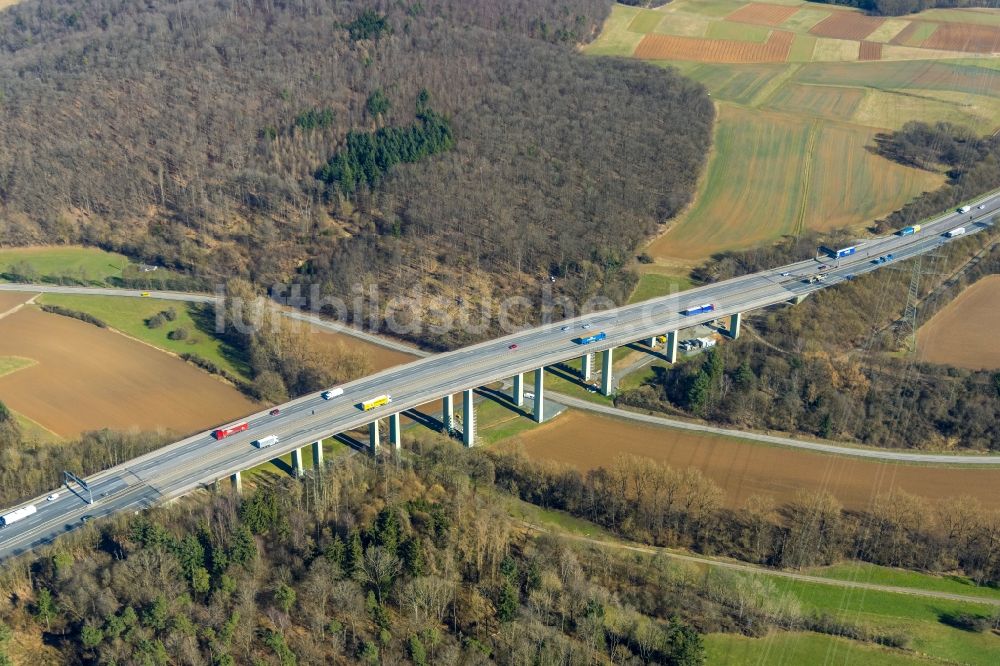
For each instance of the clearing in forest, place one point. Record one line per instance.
(963, 334)
(88, 378)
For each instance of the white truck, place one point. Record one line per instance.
(332, 393)
(265, 442)
(17, 514)
(957, 231)
(965, 209)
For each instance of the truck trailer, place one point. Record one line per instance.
(906, 231)
(378, 401)
(957, 231)
(17, 514)
(265, 442)
(707, 307)
(965, 209)
(596, 337)
(221, 433)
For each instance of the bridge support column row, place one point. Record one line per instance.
(518, 397)
(468, 418)
(607, 381)
(587, 367)
(734, 325)
(539, 395)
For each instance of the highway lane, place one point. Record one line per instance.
(200, 459)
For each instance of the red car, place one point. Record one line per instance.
(513, 346)
(275, 412)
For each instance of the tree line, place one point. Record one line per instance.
(651, 502)
(901, 7)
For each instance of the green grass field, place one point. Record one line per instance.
(645, 21)
(86, 264)
(129, 315)
(739, 32)
(798, 647)
(792, 141)
(871, 573)
(652, 285)
(9, 364)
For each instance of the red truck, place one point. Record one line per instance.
(230, 430)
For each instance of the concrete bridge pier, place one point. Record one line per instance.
(671, 347)
(539, 395)
(734, 325)
(297, 469)
(237, 480)
(448, 412)
(651, 342)
(317, 448)
(587, 367)
(395, 432)
(373, 438)
(518, 396)
(607, 381)
(468, 418)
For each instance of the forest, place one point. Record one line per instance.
(901, 7)
(189, 134)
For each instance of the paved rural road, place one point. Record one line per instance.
(764, 571)
(199, 460)
(889, 455)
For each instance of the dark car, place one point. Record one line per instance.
(513, 346)
(275, 411)
(823, 267)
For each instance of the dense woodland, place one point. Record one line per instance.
(190, 134)
(417, 561)
(900, 7)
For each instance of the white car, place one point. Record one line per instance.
(564, 328)
(786, 274)
(982, 206)
(587, 326)
(53, 497)
(529, 395)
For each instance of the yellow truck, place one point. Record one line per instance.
(369, 405)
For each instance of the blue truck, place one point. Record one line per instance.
(596, 337)
(906, 231)
(707, 307)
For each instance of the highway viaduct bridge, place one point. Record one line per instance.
(304, 423)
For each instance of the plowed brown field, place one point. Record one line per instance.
(742, 468)
(964, 332)
(870, 51)
(11, 299)
(762, 14)
(668, 47)
(89, 378)
(846, 25)
(965, 37)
